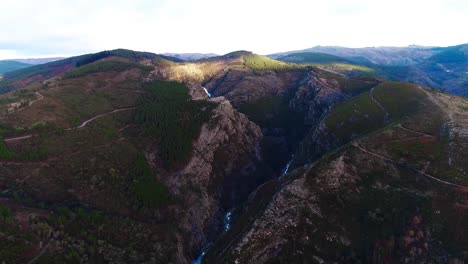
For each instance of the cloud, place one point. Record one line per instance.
(73, 27)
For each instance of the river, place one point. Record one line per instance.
(228, 215)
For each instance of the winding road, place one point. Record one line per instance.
(40, 97)
(86, 122)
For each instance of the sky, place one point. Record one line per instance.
(49, 28)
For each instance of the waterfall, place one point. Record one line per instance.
(206, 91)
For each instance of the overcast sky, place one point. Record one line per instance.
(41, 28)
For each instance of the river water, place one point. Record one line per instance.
(206, 91)
(228, 215)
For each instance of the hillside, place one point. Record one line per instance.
(133, 157)
(330, 63)
(10, 65)
(396, 191)
(389, 56)
(39, 73)
(36, 61)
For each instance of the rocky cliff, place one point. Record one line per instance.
(220, 173)
(383, 198)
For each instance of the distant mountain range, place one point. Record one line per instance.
(444, 68)
(191, 56)
(36, 61)
(17, 64)
(10, 65)
(392, 56)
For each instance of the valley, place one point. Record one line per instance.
(134, 157)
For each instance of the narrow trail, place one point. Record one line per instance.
(414, 131)
(41, 253)
(10, 140)
(421, 135)
(386, 114)
(99, 116)
(355, 144)
(40, 97)
(398, 140)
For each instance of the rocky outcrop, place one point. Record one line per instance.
(225, 157)
(240, 85)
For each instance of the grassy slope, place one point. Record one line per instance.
(328, 62)
(262, 63)
(361, 114)
(312, 58)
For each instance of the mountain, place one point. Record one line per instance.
(383, 179)
(37, 61)
(9, 65)
(330, 63)
(441, 68)
(134, 157)
(191, 56)
(42, 72)
(394, 56)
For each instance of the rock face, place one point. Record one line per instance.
(219, 174)
(365, 202)
(240, 85)
(315, 97)
(352, 206)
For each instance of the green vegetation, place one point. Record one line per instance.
(30, 153)
(168, 114)
(5, 213)
(12, 242)
(327, 62)
(399, 99)
(354, 85)
(357, 116)
(261, 63)
(122, 53)
(270, 111)
(361, 114)
(105, 66)
(146, 187)
(5, 153)
(312, 58)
